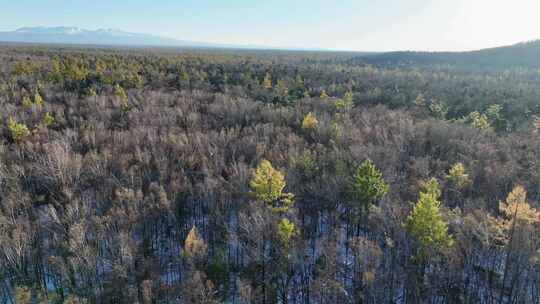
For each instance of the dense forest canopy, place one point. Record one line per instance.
(218, 176)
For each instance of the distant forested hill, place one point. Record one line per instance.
(522, 54)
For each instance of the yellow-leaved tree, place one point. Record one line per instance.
(38, 100)
(121, 95)
(458, 176)
(267, 186)
(48, 120)
(515, 232)
(27, 102)
(517, 215)
(23, 295)
(18, 131)
(286, 230)
(479, 120)
(195, 248)
(267, 82)
(309, 122)
(346, 102)
(324, 96)
(196, 287)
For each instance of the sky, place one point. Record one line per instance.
(359, 25)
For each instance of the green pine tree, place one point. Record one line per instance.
(367, 186)
(426, 224)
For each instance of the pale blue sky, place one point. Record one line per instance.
(363, 25)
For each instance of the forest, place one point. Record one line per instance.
(217, 176)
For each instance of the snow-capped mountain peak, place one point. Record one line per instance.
(102, 36)
(69, 30)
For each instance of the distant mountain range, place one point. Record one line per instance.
(75, 35)
(113, 37)
(521, 54)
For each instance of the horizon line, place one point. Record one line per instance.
(232, 45)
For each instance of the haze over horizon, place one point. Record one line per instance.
(361, 25)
